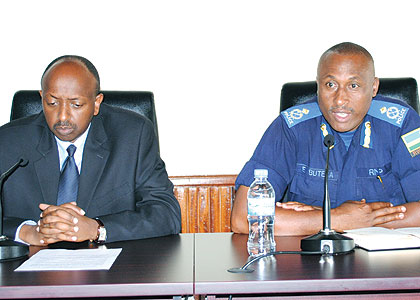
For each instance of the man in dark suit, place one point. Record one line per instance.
(118, 187)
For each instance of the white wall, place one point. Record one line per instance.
(216, 67)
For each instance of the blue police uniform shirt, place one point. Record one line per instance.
(382, 162)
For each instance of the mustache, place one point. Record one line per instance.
(64, 124)
(340, 108)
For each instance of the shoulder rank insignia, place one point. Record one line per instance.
(387, 111)
(412, 141)
(300, 113)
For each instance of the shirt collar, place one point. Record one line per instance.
(80, 145)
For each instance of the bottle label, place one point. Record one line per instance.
(261, 206)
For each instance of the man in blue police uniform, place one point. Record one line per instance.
(374, 165)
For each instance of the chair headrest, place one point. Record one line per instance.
(28, 102)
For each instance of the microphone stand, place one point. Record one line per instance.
(327, 240)
(9, 249)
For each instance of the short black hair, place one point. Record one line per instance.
(84, 61)
(348, 48)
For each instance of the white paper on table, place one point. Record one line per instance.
(71, 260)
(379, 238)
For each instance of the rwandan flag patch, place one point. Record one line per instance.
(412, 141)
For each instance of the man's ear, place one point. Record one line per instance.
(98, 101)
(40, 93)
(375, 87)
(317, 85)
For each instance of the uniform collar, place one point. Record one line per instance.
(364, 133)
(324, 130)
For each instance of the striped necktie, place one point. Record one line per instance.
(68, 184)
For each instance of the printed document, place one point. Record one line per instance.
(71, 260)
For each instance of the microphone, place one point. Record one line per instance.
(329, 141)
(9, 249)
(327, 240)
(21, 163)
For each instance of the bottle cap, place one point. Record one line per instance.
(260, 173)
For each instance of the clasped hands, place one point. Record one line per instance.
(355, 214)
(66, 222)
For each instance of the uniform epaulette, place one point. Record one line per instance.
(300, 113)
(390, 112)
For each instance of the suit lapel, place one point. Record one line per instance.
(47, 167)
(95, 156)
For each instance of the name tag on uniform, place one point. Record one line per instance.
(373, 171)
(316, 172)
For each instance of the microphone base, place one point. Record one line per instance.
(10, 249)
(336, 243)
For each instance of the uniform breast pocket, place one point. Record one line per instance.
(378, 184)
(308, 185)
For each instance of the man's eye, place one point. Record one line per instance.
(76, 105)
(354, 85)
(51, 103)
(330, 84)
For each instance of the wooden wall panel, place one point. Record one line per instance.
(215, 221)
(192, 210)
(182, 195)
(206, 202)
(203, 212)
(226, 200)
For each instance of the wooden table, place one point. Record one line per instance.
(387, 273)
(159, 266)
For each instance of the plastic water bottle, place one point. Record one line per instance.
(261, 211)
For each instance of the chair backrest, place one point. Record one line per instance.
(404, 89)
(28, 102)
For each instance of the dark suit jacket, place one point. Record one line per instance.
(123, 181)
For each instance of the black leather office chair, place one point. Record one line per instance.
(404, 89)
(28, 102)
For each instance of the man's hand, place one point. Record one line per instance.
(359, 214)
(31, 235)
(65, 223)
(297, 206)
